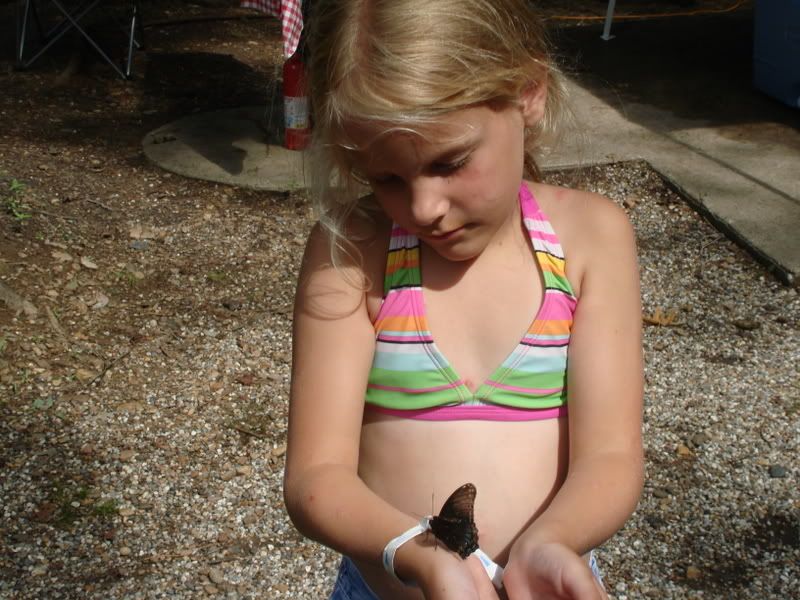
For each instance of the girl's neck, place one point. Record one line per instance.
(509, 248)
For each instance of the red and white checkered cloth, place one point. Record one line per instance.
(288, 11)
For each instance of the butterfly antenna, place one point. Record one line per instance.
(435, 539)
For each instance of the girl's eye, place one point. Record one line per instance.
(450, 167)
(384, 180)
(368, 180)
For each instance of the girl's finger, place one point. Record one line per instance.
(601, 589)
(483, 584)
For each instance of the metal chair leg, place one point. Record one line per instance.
(70, 20)
(131, 40)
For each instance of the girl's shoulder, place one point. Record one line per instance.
(357, 267)
(589, 226)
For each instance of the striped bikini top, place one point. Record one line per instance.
(411, 378)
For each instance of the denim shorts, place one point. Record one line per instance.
(351, 586)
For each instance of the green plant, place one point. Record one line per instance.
(43, 403)
(109, 508)
(12, 200)
(126, 277)
(216, 276)
(66, 497)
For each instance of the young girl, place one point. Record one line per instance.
(457, 320)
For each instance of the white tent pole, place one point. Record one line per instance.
(609, 18)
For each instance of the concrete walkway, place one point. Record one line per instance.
(749, 190)
(676, 93)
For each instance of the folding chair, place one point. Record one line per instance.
(70, 15)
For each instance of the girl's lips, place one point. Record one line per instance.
(444, 236)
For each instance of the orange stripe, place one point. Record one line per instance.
(560, 327)
(552, 264)
(407, 260)
(399, 323)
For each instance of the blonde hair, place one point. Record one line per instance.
(406, 62)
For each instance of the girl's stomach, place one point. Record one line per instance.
(517, 467)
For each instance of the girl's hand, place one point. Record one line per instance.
(549, 571)
(458, 580)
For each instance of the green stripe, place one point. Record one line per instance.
(404, 401)
(507, 398)
(524, 379)
(404, 277)
(551, 280)
(410, 379)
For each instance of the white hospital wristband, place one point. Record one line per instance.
(493, 570)
(391, 548)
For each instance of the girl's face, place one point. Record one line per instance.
(455, 183)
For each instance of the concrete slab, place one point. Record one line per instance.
(715, 175)
(231, 146)
(677, 93)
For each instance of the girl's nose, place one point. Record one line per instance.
(428, 201)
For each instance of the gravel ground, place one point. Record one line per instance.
(143, 404)
(157, 471)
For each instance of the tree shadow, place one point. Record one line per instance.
(695, 69)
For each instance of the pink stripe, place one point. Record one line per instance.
(534, 391)
(394, 388)
(534, 338)
(557, 311)
(482, 412)
(399, 305)
(545, 237)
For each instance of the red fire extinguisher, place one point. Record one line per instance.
(295, 103)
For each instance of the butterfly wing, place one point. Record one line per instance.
(461, 503)
(455, 524)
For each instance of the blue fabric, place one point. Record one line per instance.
(595, 569)
(351, 586)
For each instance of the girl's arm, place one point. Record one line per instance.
(333, 346)
(605, 474)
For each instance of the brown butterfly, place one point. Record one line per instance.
(455, 524)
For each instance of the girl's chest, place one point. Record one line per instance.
(480, 319)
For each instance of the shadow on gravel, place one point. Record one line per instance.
(69, 508)
(739, 553)
(696, 68)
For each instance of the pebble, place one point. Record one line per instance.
(746, 324)
(698, 439)
(244, 470)
(777, 471)
(139, 244)
(661, 492)
(216, 575)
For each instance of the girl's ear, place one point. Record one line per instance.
(533, 100)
